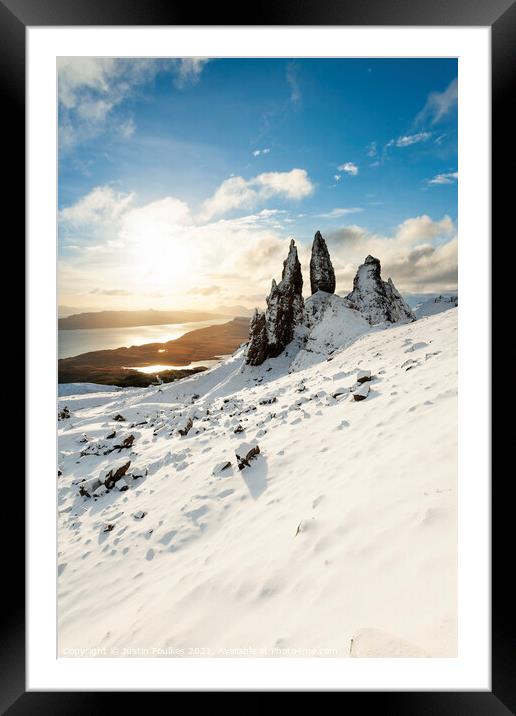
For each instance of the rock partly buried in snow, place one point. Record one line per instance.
(363, 376)
(340, 391)
(322, 275)
(185, 426)
(88, 487)
(379, 301)
(221, 466)
(139, 515)
(284, 311)
(361, 392)
(101, 490)
(108, 527)
(119, 418)
(63, 414)
(122, 485)
(112, 476)
(245, 452)
(126, 443)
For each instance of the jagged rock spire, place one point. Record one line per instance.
(322, 275)
(271, 332)
(258, 347)
(377, 300)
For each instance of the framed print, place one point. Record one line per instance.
(258, 420)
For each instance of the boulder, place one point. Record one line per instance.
(185, 426)
(246, 452)
(112, 476)
(361, 392)
(88, 487)
(221, 466)
(363, 376)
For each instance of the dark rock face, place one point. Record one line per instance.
(322, 275)
(377, 300)
(258, 348)
(272, 331)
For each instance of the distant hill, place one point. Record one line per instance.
(127, 319)
(109, 366)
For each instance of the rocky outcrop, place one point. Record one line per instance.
(377, 300)
(258, 348)
(322, 275)
(271, 332)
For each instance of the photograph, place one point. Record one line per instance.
(257, 374)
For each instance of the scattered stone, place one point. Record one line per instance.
(108, 527)
(101, 490)
(111, 435)
(269, 401)
(185, 426)
(361, 392)
(340, 391)
(246, 452)
(63, 414)
(322, 275)
(363, 376)
(87, 487)
(127, 443)
(221, 466)
(111, 477)
(119, 418)
(239, 429)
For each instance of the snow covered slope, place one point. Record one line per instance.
(339, 536)
(436, 304)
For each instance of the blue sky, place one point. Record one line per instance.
(180, 181)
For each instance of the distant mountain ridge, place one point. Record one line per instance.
(128, 319)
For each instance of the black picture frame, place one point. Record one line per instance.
(500, 16)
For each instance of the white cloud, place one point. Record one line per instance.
(337, 177)
(237, 192)
(349, 167)
(102, 204)
(372, 149)
(127, 128)
(257, 152)
(420, 255)
(338, 213)
(293, 82)
(409, 139)
(188, 71)
(447, 178)
(91, 90)
(439, 104)
(158, 250)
